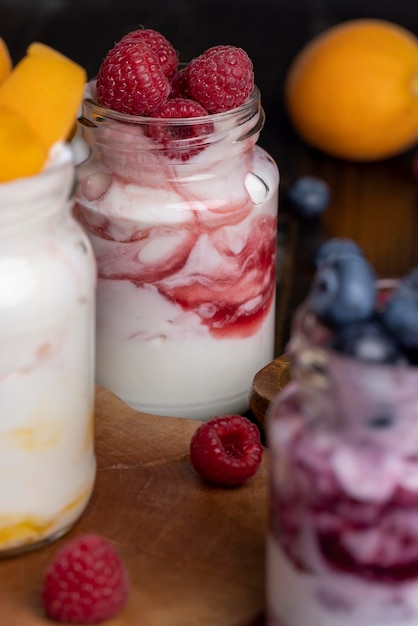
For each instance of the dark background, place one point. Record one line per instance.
(375, 204)
(271, 31)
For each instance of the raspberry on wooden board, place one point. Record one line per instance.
(86, 583)
(226, 450)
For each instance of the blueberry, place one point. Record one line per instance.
(309, 196)
(334, 248)
(367, 341)
(343, 291)
(382, 421)
(411, 356)
(401, 312)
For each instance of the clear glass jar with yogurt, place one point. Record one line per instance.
(343, 538)
(182, 216)
(47, 295)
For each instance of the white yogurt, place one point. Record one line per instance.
(47, 282)
(186, 261)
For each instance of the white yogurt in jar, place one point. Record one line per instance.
(47, 303)
(186, 262)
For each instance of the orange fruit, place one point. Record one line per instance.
(352, 91)
(5, 61)
(46, 89)
(22, 153)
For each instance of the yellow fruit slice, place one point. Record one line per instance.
(5, 61)
(45, 88)
(22, 152)
(353, 90)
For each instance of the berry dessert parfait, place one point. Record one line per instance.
(342, 546)
(47, 287)
(181, 209)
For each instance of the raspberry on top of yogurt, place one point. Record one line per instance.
(177, 108)
(131, 79)
(221, 78)
(86, 582)
(141, 72)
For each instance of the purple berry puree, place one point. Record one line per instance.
(377, 541)
(343, 541)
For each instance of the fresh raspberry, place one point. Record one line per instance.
(178, 138)
(221, 78)
(180, 84)
(131, 80)
(226, 450)
(86, 583)
(164, 50)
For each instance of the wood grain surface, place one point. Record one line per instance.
(195, 553)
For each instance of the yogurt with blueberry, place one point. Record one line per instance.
(342, 546)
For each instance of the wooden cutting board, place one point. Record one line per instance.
(195, 553)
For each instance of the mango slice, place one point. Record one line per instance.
(22, 152)
(46, 89)
(5, 61)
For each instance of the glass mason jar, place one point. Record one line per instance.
(342, 546)
(182, 216)
(47, 287)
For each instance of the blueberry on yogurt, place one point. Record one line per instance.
(335, 248)
(368, 341)
(401, 312)
(343, 291)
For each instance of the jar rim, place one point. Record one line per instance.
(97, 110)
(177, 138)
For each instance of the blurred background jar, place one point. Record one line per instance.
(342, 545)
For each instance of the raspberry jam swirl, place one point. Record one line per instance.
(343, 538)
(183, 224)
